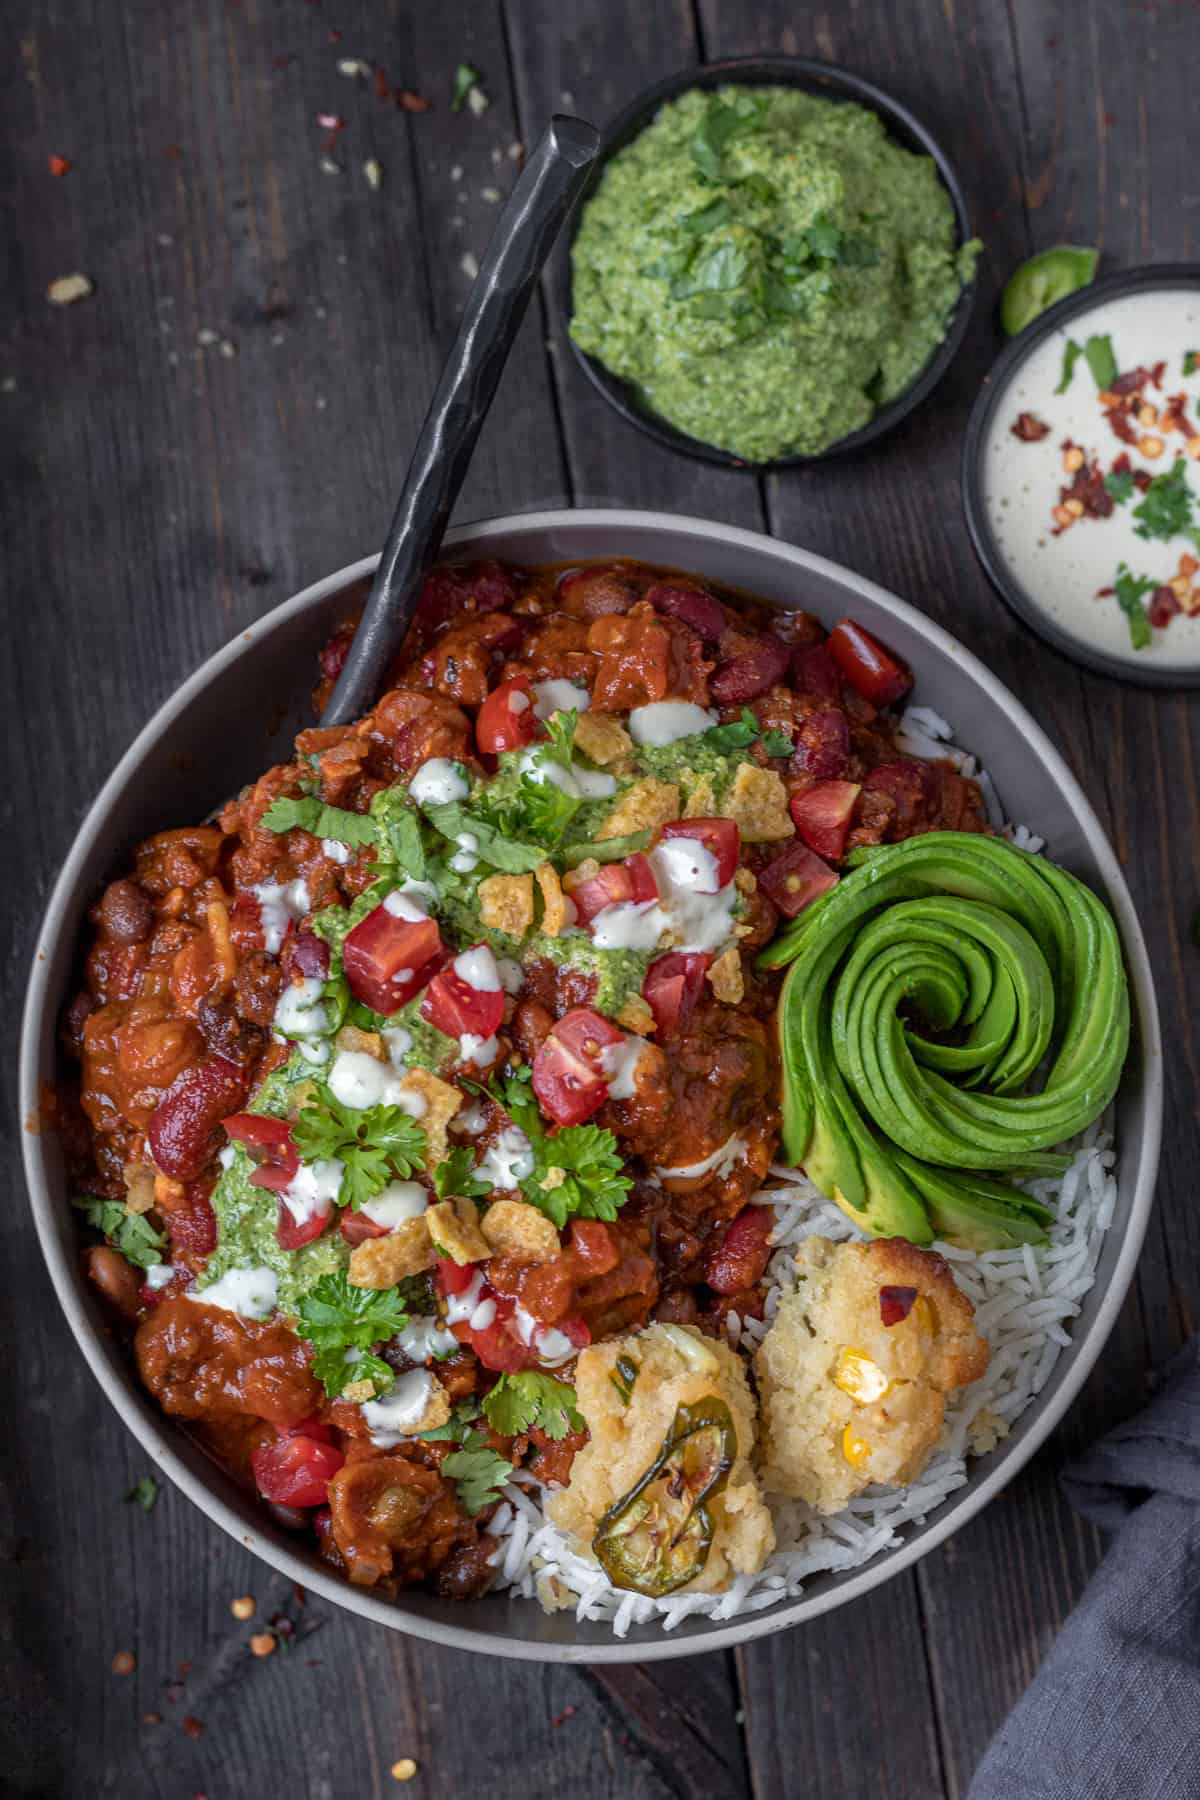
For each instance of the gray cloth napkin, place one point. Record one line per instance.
(1114, 1712)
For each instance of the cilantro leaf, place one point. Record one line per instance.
(545, 811)
(335, 1317)
(145, 1492)
(496, 847)
(366, 1367)
(1101, 361)
(130, 1233)
(707, 218)
(561, 745)
(1166, 506)
(1119, 485)
(518, 1402)
(718, 270)
(1191, 361)
(593, 1184)
(722, 122)
(399, 830)
(458, 1427)
(465, 78)
(777, 743)
(375, 1144)
(738, 735)
(479, 1475)
(1130, 589)
(1071, 355)
(308, 813)
(455, 1174)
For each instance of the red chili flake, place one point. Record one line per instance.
(1029, 428)
(182, 1669)
(193, 1726)
(1121, 463)
(173, 1691)
(1157, 373)
(1142, 479)
(1104, 592)
(1118, 418)
(568, 1712)
(301, 1596)
(383, 87)
(1089, 489)
(895, 1303)
(1130, 382)
(330, 122)
(1163, 606)
(60, 165)
(409, 102)
(335, 36)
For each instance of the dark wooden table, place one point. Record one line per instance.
(225, 420)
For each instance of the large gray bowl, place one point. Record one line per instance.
(239, 713)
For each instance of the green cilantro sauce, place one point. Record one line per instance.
(767, 268)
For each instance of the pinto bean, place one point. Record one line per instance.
(114, 1279)
(126, 914)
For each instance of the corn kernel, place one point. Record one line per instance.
(924, 1312)
(855, 1449)
(857, 1375)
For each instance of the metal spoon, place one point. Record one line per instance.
(550, 184)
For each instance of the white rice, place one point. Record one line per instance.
(1024, 1301)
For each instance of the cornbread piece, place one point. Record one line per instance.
(847, 1397)
(660, 1370)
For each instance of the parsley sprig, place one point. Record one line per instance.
(739, 734)
(520, 1402)
(455, 1174)
(130, 1233)
(336, 1318)
(479, 1475)
(375, 1145)
(1166, 507)
(307, 813)
(578, 1171)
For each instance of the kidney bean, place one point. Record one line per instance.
(749, 666)
(738, 1261)
(126, 914)
(815, 672)
(75, 1018)
(183, 1130)
(115, 1280)
(308, 955)
(531, 1026)
(693, 606)
(334, 653)
(594, 593)
(192, 1227)
(823, 745)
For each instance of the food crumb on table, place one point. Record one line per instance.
(404, 1770)
(263, 1643)
(242, 1607)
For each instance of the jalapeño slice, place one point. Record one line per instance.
(657, 1537)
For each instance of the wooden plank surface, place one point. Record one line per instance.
(159, 491)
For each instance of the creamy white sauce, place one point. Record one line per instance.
(1021, 481)
(629, 925)
(280, 904)
(470, 1120)
(313, 1189)
(480, 1051)
(719, 1163)
(477, 967)
(580, 784)
(483, 1316)
(699, 910)
(518, 702)
(398, 1041)
(299, 1012)
(360, 1081)
(619, 1063)
(553, 1347)
(227, 1156)
(336, 851)
(251, 1293)
(666, 721)
(439, 781)
(313, 1050)
(422, 892)
(424, 1337)
(464, 858)
(158, 1276)
(401, 1410)
(512, 975)
(559, 696)
(509, 1160)
(397, 1202)
(459, 1307)
(403, 906)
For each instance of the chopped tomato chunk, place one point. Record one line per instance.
(719, 836)
(568, 1070)
(269, 1142)
(506, 719)
(456, 1007)
(617, 883)
(795, 878)
(356, 1228)
(388, 957)
(870, 669)
(823, 813)
(672, 986)
(296, 1471)
(292, 1233)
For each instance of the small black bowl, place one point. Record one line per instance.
(996, 384)
(830, 83)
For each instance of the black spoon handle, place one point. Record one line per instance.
(537, 208)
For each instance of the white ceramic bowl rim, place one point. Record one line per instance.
(159, 1438)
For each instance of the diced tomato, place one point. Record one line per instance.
(575, 1328)
(312, 1427)
(388, 958)
(738, 1261)
(614, 885)
(870, 669)
(795, 878)
(506, 719)
(498, 1347)
(455, 1007)
(296, 1471)
(672, 986)
(356, 1228)
(292, 1233)
(719, 836)
(269, 1142)
(568, 1070)
(815, 672)
(822, 815)
(451, 1277)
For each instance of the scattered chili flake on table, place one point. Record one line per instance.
(242, 1607)
(124, 1662)
(404, 1770)
(410, 102)
(568, 1712)
(193, 1726)
(262, 1643)
(60, 165)
(151, 1718)
(1029, 428)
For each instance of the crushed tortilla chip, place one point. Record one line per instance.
(140, 1181)
(643, 807)
(587, 870)
(637, 1015)
(728, 982)
(168, 1193)
(701, 802)
(382, 1262)
(506, 904)
(745, 881)
(356, 1391)
(557, 910)
(441, 1103)
(514, 1228)
(454, 1229)
(368, 1043)
(758, 804)
(602, 738)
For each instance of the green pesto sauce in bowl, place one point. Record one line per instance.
(766, 268)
